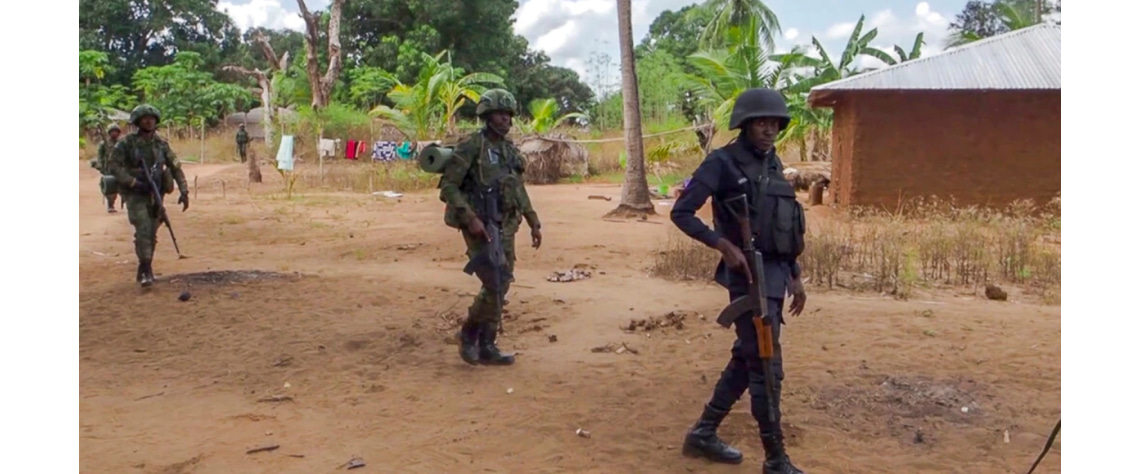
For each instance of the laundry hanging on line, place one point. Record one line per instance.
(384, 151)
(326, 148)
(350, 150)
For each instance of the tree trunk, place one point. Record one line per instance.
(265, 82)
(254, 169)
(635, 200)
(321, 87)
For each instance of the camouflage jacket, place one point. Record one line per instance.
(242, 137)
(478, 162)
(103, 157)
(124, 163)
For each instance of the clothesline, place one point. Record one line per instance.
(620, 139)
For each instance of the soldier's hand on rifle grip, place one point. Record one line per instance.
(535, 237)
(140, 186)
(733, 257)
(475, 227)
(799, 297)
(184, 200)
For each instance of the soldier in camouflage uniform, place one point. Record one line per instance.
(483, 160)
(145, 147)
(101, 164)
(242, 141)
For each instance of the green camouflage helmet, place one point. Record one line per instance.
(144, 110)
(495, 100)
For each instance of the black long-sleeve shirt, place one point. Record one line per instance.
(712, 179)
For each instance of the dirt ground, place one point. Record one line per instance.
(347, 304)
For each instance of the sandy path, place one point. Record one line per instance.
(361, 339)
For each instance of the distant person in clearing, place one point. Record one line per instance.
(242, 141)
(110, 190)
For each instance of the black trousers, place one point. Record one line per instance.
(745, 372)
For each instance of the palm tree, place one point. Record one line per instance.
(1013, 15)
(635, 191)
(754, 14)
(724, 73)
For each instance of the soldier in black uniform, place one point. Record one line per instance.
(748, 165)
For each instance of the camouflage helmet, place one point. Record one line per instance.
(144, 110)
(114, 128)
(756, 103)
(496, 100)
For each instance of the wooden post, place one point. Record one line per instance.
(815, 194)
(223, 189)
(195, 187)
(203, 155)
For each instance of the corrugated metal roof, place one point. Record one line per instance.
(1029, 58)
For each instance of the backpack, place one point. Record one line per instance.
(778, 220)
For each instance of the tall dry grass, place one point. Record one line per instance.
(931, 244)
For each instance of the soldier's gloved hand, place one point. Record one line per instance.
(140, 186)
(475, 227)
(184, 200)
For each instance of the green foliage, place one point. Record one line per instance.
(427, 107)
(544, 117)
(187, 95)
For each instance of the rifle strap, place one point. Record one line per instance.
(1048, 444)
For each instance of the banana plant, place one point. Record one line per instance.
(544, 117)
(430, 104)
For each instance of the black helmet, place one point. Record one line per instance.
(756, 103)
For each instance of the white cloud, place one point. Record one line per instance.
(791, 34)
(922, 9)
(840, 30)
(265, 13)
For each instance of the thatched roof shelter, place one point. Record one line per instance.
(551, 157)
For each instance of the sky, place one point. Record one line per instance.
(570, 31)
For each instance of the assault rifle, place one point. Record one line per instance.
(490, 265)
(156, 195)
(755, 303)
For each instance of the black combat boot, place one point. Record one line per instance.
(776, 460)
(147, 278)
(702, 441)
(488, 353)
(111, 204)
(468, 337)
(140, 272)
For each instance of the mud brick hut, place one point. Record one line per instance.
(980, 123)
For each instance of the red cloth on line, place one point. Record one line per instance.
(362, 148)
(350, 150)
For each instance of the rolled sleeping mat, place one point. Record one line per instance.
(434, 158)
(108, 184)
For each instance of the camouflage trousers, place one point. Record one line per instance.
(242, 151)
(144, 217)
(484, 309)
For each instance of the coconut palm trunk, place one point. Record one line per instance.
(635, 200)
